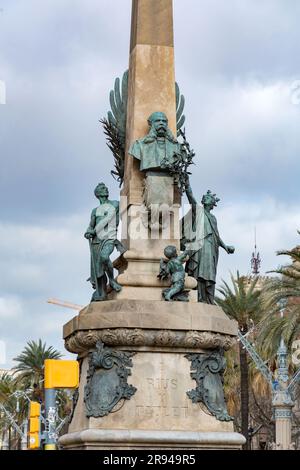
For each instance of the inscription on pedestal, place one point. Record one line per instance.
(160, 402)
(162, 384)
(165, 411)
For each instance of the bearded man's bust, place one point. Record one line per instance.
(158, 147)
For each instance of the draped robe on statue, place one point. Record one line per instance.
(104, 220)
(200, 234)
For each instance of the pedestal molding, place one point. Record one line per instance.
(81, 341)
(123, 438)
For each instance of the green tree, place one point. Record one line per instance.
(7, 387)
(283, 290)
(15, 404)
(27, 383)
(242, 302)
(30, 366)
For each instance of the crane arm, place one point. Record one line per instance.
(261, 366)
(62, 303)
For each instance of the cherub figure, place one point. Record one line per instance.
(173, 267)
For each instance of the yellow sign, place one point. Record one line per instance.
(34, 441)
(34, 425)
(61, 374)
(34, 409)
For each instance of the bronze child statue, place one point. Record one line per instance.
(173, 267)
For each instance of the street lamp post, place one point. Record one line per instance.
(282, 391)
(282, 402)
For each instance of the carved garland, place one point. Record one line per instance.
(84, 340)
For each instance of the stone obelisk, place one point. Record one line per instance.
(151, 78)
(151, 88)
(146, 364)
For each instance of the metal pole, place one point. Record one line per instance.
(50, 412)
(5, 442)
(24, 437)
(283, 402)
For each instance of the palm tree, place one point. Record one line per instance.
(7, 386)
(282, 289)
(232, 383)
(27, 384)
(243, 303)
(30, 366)
(16, 406)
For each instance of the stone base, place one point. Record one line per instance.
(149, 293)
(111, 439)
(158, 414)
(155, 324)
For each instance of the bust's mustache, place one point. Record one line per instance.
(153, 135)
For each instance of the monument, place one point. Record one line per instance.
(151, 356)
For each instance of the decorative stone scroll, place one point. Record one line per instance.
(107, 380)
(84, 340)
(207, 370)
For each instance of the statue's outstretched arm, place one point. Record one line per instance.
(184, 255)
(189, 193)
(228, 248)
(222, 244)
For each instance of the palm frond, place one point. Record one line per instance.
(180, 102)
(115, 125)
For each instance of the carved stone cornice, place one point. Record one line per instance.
(81, 341)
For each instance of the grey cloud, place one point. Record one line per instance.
(232, 37)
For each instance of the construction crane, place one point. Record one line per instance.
(294, 381)
(260, 364)
(65, 304)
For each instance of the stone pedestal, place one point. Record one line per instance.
(158, 336)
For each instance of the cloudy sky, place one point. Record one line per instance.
(237, 65)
